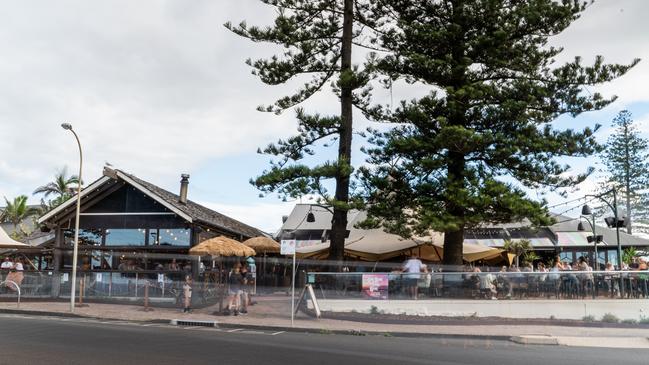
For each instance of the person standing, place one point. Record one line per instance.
(187, 294)
(234, 290)
(412, 271)
(245, 288)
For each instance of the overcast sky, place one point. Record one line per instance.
(160, 88)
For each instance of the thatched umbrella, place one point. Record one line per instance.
(265, 245)
(262, 244)
(221, 246)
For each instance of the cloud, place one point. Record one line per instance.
(616, 30)
(158, 88)
(265, 216)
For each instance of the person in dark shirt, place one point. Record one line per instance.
(246, 281)
(235, 280)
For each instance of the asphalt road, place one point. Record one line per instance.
(38, 340)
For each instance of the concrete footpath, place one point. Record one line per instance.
(273, 313)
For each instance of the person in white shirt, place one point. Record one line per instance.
(5, 267)
(7, 264)
(412, 271)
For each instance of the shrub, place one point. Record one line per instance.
(374, 310)
(643, 320)
(610, 318)
(588, 318)
(630, 321)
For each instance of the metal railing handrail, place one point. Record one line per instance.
(518, 273)
(17, 289)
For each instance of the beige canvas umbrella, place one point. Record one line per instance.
(221, 246)
(262, 244)
(8, 242)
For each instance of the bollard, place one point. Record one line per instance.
(146, 298)
(81, 290)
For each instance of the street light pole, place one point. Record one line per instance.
(617, 232)
(68, 127)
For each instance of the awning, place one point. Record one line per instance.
(8, 242)
(537, 242)
(573, 239)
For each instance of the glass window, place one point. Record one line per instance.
(612, 257)
(87, 237)
(125, 237)
(566, 256)
(169, 237)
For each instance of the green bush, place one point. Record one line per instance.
(630, 321)
(643, 320)
(610, 318)
(588, 318)
(374, 310)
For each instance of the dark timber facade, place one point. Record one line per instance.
(124, 216)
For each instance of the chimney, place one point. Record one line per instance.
(184, 184)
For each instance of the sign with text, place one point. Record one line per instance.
(287, 247)
(375, 286)
(307, 243)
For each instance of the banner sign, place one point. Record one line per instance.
(287, 247)
(307, 243)
(375, 286)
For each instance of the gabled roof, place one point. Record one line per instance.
(190, 211)
(198, 212)
(568, 224)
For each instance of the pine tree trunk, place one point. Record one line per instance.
(339, 221)
(628, 210)
(454, 240)
(453, 244)
(627, 181)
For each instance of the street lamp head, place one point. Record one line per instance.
(580, 227)
(66, 126)
(310, 217)
(585, 210)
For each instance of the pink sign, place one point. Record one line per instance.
(375, 286)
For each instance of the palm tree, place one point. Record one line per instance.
(518, 248)
(16, 211)
(62, 187)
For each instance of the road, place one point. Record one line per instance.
(42, 340)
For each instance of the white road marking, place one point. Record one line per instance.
(277, 333)
(234, 330)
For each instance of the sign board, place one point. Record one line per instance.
(161, 278)
(375, 286)
(308, 291)
(98, 277)
(287, 247)
(307, 243)
(65, 279)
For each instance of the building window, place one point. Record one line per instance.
(125, 237)
(87, 237)
(169, 237)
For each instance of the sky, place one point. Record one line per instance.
(159, 88)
